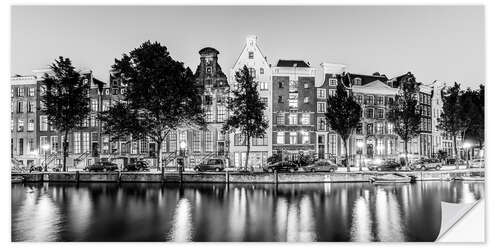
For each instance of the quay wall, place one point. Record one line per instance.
(234, 177)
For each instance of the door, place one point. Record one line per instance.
(321, 151)
(369, 150)
(220, 148)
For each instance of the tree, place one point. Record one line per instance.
(343, 114)
(451, 119)
(65, 99)
(161, 96)
(246, 110)
(404, 112)
(472, 114)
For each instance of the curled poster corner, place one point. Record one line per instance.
(451, 214)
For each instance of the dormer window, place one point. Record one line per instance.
(332, 81)
(250, 55)
(357, 81)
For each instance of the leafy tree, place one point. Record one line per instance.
(472, 115)
(343, 114)
(246, 109)
(404, 112)
(161, 96)
(65, 99)
(451, 120)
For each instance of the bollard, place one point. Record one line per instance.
(276, 176)
(77, 177)
(162, 175)
(227, 177)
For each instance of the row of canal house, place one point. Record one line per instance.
(295, 94)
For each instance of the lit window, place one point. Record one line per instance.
(76, 143)
(357, 81)
(305, 119)
(20, 125)
(321, 93)
(293, 137)
(43, 123)
(306, 99)
(31, 91)
(252, 72)
(292, 119)
(305, 137)
(263, 85)
(280, 119)
(321, 123)
(31, 125)
(280, 138)
(332, 82)
(331, 92)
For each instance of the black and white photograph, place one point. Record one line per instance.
(256, 123)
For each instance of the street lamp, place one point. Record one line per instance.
(45, 148)
(360, 145)
(183, 155)
(466, 146)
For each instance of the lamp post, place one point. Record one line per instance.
(466, 146)
(45, 148)
(360, 145)
(183, 154)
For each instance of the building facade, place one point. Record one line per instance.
(293, 109)
(259, 68)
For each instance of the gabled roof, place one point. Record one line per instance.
(375, 87)
(292, 63)
(208, 50)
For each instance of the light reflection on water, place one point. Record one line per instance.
(238, 212)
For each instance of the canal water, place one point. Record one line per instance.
(238, 212)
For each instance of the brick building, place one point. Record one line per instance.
(293, 108)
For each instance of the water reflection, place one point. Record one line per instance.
(213, 212)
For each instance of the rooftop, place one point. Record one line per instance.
(292, 63)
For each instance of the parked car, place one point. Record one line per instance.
(281, 166)
(57, 168)
(426, 164)
(477, 163)
(137, 166)
(214, 164)
(321, 166)
(384, 165)
(36, 169)
(101, 166)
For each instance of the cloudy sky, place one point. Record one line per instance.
(435, 42)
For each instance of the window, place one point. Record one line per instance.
(20, 125)
(261, 71)
(20, 107)
(321, 107)
(305, 119)
(240, 139)
(31, 107)
(263, 85)
(210, 115)
(105, 105)
(306, 85)
(76, 143)
(369, 113)
(122, 91)
(380, 113)
(292, 119)
(43, 141)
(93, 104)
(331, 92)
(21, 146)
(20, 91)
(209, 141)
(280, 138)
(252, 72)
(197, 141)
(357, 81)
(31, 92)
(250, 54)
(86, 142)
(280, 119)
(369, 100)
(260, 141)
(305, 138)
(332, 82)
(380, 147)
(135, 148)
(280, 85)
(321, 123)
(44, 124)
(380, 100)
(106, 92)
(321, 93)
(31, 125)
(264, 100)
(306, 99)
(93, 122)
(172, 141)
(293, 137)
(293, 100)
(280, 99)
(369, 129)
(380, 128)
(333, 143)
(221, 113)
(209, 70)
(31, 145)
(359, 99)
(359, 129)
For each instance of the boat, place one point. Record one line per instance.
(391, 178)
(468, 178)
(17, 179)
